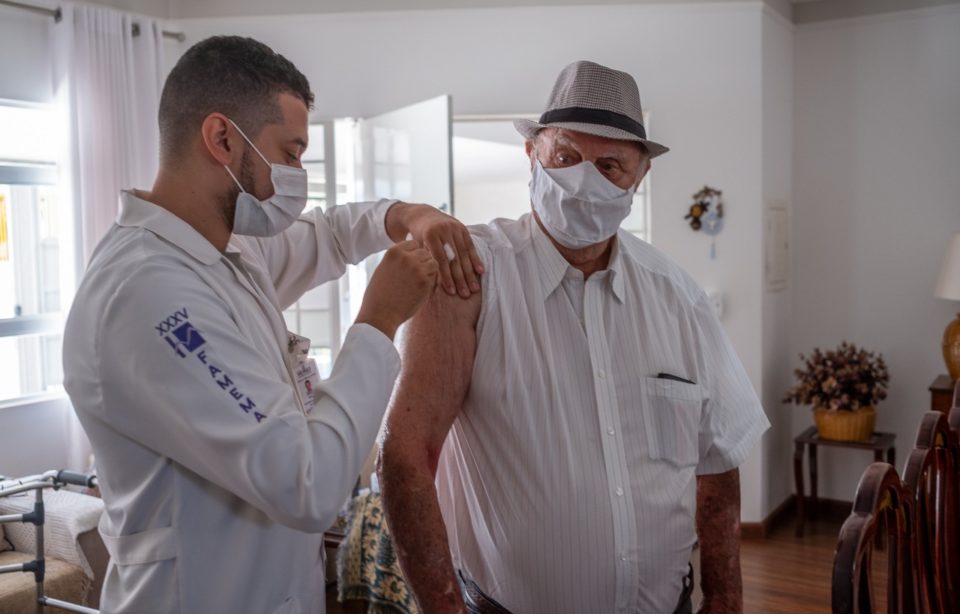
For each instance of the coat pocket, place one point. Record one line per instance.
(150, 546)
(142, 575)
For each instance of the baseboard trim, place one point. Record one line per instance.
(760, 530)
(751, 530)
(832, 508)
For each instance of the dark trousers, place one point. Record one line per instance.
(479, 603)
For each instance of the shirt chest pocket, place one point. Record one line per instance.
(664, 416)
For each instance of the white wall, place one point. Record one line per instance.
(33, 438)
(877, 195)
(777, 167)
(699, 71)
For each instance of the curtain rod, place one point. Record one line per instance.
(57, 15)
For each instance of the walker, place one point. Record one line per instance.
(51, 479)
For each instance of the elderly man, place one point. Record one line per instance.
(554, 443)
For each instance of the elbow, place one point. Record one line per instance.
(314, 516)
(307, 523)
(311, 501)
(401, 469)
(390, 465)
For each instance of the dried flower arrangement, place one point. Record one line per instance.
(846, 378)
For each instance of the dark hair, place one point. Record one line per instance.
(237, 76)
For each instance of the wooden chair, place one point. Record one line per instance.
(882, 512)
(931, 477)
(954, 415)
(953, 421)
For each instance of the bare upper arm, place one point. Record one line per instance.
(718, 490)
(437, 349)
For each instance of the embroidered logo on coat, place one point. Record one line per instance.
(185, 339)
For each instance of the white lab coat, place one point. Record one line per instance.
(217, 486)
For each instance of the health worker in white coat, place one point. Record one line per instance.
(221, 456)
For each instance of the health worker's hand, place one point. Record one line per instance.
(400, 284)
(446, 238)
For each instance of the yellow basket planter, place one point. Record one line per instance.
(841, 425)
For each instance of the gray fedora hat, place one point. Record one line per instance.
(594, 99)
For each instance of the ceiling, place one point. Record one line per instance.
(799, 11)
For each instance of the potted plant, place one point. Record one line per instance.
(843, 386)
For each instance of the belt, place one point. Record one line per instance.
(685, 603)
(475, 599)
(478, 602)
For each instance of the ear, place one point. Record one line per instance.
(529, 147)
(220, 139)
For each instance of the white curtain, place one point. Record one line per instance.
(108, 73)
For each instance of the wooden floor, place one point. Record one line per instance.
(782, 574)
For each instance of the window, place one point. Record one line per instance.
(324, 313)
(638, 222)
(392, 167)
(35, 262)
(314, 315)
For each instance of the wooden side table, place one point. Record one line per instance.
(879, 443)
(941, 394)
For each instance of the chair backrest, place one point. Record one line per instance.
(931, 477)
(953, 421)
(954, 415)
(882, 516)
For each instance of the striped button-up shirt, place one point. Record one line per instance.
(567, 482)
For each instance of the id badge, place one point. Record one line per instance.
(297, 346)
(305, 371)
(308, 378)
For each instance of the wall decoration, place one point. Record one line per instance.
(706, 214)
(776, 246)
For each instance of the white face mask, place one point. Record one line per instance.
(265, 218)
(577, 205)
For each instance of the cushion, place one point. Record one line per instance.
(4, 544)
(18, 593)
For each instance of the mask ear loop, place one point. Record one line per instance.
(250, 143)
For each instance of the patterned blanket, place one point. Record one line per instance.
(367, 565)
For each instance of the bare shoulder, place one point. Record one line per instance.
(437, 350)
(444, 309)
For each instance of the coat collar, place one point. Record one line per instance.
(136, 212)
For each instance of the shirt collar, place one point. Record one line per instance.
(136, 212)
(552, 266)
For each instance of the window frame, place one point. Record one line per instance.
(295, 310)
(29, 172)
(32, 174)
